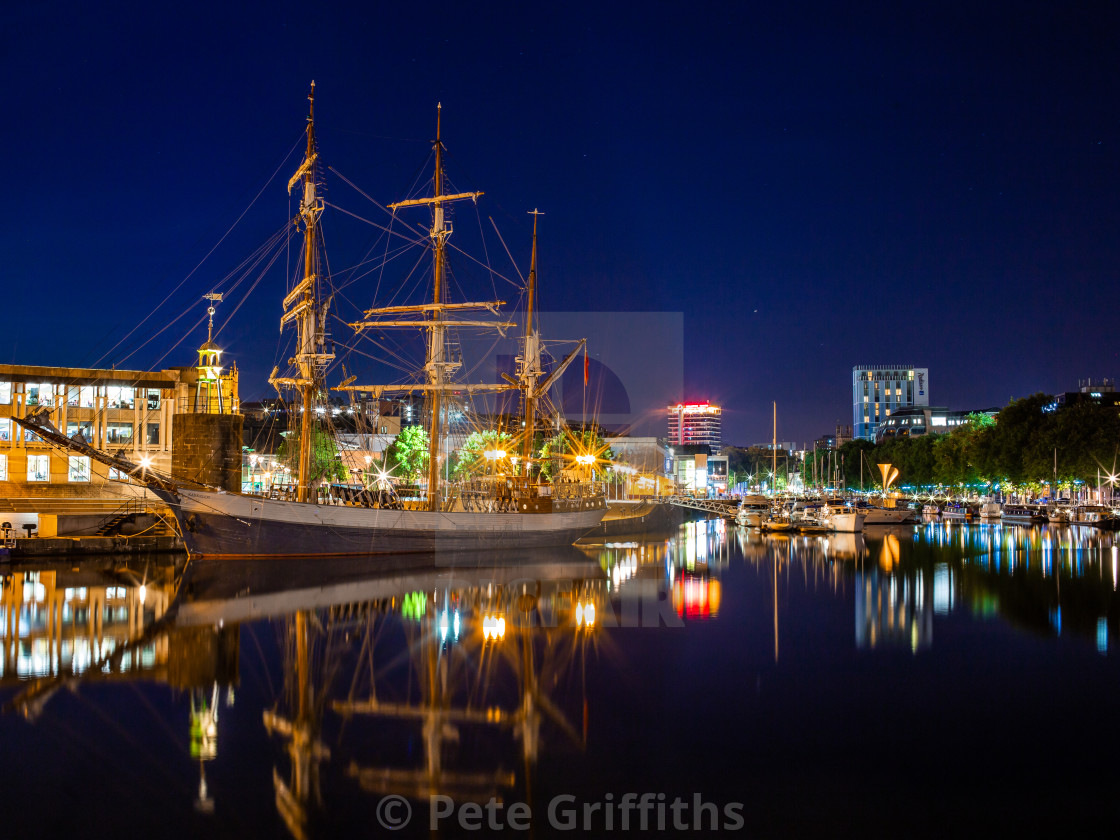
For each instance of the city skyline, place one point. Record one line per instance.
(811, 187)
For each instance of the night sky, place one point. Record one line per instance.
(813, 185)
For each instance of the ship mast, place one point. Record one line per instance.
(437, 347)
(531, 359)
(303, 307)
(431, 317)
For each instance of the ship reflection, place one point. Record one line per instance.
(456, 665)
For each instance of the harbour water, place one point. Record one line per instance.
(919, 680)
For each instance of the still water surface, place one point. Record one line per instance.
(912, 681)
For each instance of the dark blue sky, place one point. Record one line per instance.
(814, 186)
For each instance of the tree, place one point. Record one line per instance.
(325, 461)
(471, 460)
(407, 455)
(566, 446)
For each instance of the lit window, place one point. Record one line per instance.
(38, 467)
(119, 432)
(152, 434)
(121, 397)
(117, 475)
(3, 467)
(5, 393)
(85, 427)
(153, 398)
(5, 430)
(40, 394)
(79, 468)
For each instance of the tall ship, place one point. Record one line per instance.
(521, 510)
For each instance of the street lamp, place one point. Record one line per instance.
(493, 456)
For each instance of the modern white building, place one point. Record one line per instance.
(879, 390)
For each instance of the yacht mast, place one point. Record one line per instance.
(774, 452)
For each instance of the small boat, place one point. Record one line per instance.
(753, 510)
(873, 515)
(1024, 514)
(931, 510)
(955, 510)
(844, 519)
(1096, 516)
(778, 521)
(1059, 514)
(990, 510)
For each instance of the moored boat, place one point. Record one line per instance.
(1024, 514)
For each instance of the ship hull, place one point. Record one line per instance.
(232, 525)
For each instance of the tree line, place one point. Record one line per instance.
(1019, 447)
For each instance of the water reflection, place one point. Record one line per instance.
(467, 677)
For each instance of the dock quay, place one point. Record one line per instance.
(43, 527)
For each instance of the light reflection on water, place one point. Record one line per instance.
(356, 685)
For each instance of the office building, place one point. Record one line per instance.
(692, 424)
(880, 390)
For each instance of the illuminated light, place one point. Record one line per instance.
(142, 594)
(589, 614)
(501, 627)
(579, 614)
(444, 625)
(456, 624)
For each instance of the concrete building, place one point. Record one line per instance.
(691, 424)
(917, 421)
(880, 390)
(1100, 391)
(129, 412)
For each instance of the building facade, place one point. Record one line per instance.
(125, 411)
(880, 390)
(692, 424)
(918, 421)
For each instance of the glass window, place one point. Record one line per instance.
(5, 430)
(38, 467)
(3, 467)
(153, 398)
(121, 397)
(5, 393)
(79, 468)
(85, 396)
(119, 433)
(40, 393)
(30, 437)
(73, 396)
(117, 475)
(83, 426)
(153, 434)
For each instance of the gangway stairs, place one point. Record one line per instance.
(720, 507)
